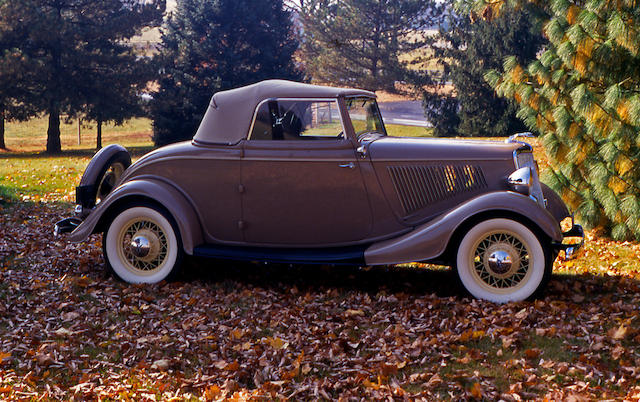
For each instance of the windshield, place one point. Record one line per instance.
(365, 116)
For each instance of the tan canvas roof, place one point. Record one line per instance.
(229, 114)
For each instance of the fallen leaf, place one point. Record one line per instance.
(234, 366)
(578, 298)
(351, 313)
(618, 333)
(507, 342)
(476, 390)
(237, 333)
(277, 343)
(305, 369)
(477, 334)
(62, 331)
(532, 353)
(522, 314)
(70, 316)
(44, 359)
(161, 364)
(617, 352)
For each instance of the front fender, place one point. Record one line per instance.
(431, 239)
(555, 205)
(168, 196)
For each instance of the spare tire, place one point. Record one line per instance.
(102, 175)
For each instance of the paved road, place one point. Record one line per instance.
(404, 113)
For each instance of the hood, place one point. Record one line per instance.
(397, 148)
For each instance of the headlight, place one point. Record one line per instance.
(524, 160)
(520, 180)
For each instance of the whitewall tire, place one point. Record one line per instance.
(141, 245)
(501, 260)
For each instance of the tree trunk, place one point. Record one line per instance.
(2, 144)
(99, 136)
(53, 132)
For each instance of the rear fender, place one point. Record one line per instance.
(431, 239)
(157, 191)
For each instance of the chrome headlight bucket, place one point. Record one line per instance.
(520, 180)
(525, 179)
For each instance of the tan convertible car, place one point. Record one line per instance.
(288, 172)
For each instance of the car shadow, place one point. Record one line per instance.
(412, 279)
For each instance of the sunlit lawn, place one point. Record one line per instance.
(31, 136)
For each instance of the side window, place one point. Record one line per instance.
(297, 120)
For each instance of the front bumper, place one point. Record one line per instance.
(571, 250)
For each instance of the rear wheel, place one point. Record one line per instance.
(141, 245)
(501, 260)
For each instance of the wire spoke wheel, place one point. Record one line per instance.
(144, 245)
(501, 260)
(141, 245)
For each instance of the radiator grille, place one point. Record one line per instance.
(419, 186)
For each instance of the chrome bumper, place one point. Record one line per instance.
(571, 250)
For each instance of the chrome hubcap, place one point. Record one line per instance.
(144, 245)
(140, 246)
(501, 261)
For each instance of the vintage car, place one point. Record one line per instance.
(288, 172)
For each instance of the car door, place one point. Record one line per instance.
(302, 183)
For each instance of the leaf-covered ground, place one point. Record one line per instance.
(67, 329)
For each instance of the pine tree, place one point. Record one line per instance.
(359, 42)
(16, 99)
(70, 46)
(117, 90)
(467, 49)
(208, 46)
(582, 96)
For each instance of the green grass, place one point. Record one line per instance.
(27, 175)
(408, 131)
(31, 136)
(35, 178)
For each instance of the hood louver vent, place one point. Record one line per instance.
(419, 186)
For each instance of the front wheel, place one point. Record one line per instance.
(141, 245)
(501, 260)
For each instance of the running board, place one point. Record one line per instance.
(338, 255)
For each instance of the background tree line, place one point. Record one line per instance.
(566, 70)
(73, 58)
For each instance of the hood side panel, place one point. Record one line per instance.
(422, 178)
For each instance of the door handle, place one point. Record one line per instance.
(349, 165)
